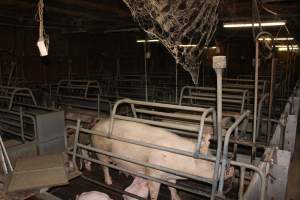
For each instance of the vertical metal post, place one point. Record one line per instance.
(256, 88)
(5, 155)
(22, 125)
(219, 63)
(242, 177)
(2, 159)
(76, 139)
(271, 98)
(69, 69)
(176, 82)
(219, 116)
(145, 65)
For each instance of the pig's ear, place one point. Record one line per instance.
(77, 197)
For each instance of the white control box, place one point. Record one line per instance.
(219, 62)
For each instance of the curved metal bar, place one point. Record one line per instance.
(239, 96)
(261, 174)
(261, 101)
(201, 127)
(15, 93)
(225, 148)
(151, 104)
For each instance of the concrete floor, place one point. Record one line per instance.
(293, 191)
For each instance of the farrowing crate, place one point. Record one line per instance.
(158, 112)
(20, 116)
(77, 96)
(233, 99)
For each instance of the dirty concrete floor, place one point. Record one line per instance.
(293, 191)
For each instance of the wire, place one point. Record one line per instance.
(40, 18)
(43, 36)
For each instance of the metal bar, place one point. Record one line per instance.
(257, 62)
(76, 139)
(11, 92)
(176, 82)
(159, 105)
(145, 164)
(261, 101)
(273, 68)
(258, 171)
(6, 155)
(242, 179)
(22, 125)
(209, 93)
(133, 110)
(158, 123)
(211, 99)
(225, 148)
(219, 73)
(200, 132)
(146, 177)
(145, 68)
(148, 145)
(165, 114)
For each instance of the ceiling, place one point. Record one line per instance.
(103, 15)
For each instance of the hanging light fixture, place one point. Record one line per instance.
(249, 25)
(43, 41)
(147, 41)
(277, 39)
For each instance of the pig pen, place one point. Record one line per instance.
(80, 99)
(207, 116)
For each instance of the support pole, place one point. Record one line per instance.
(257, 62)
(257, 65)
(272, 82)
(145, 65)
(219, 63)
(176, 82)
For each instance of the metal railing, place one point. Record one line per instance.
(81, 94)
(206, 96)
(83, 88)
(158, 112)
(11, 95)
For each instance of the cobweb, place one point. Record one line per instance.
(184, 27)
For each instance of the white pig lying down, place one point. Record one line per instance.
(153, 135)
(93, 195)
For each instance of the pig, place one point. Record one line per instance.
(93, 195)
(139, 187)
(153, 135)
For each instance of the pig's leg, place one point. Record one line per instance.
(107, 177)
(174, 194)
(154, 189)
(87, 164)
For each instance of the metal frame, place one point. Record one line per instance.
(84, 85)
(153, 109)
(207, 94)
(10, 94)
(21, 118)
(247, 84)
(15, 122)
(82, 99)
(134, 86)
